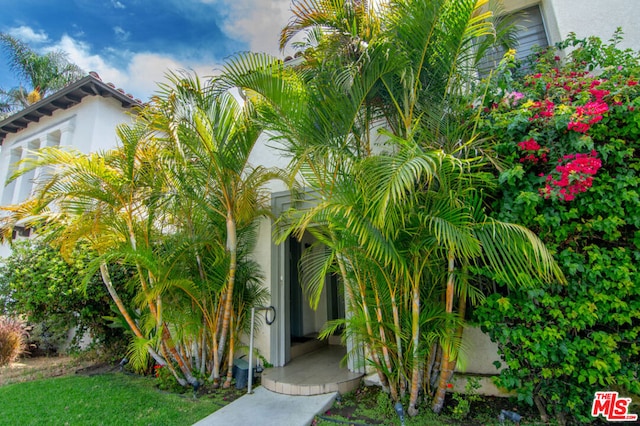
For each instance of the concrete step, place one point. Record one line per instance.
(315, 373)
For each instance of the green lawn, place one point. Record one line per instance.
(107, 399)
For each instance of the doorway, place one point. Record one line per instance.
(305, 323)
(295, 317)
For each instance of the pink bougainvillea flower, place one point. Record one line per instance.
(599, 94)
(573, 177)
(529, 145)
(578, 126)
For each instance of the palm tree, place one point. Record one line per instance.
(212, 135)
(165, 201)
(43, 73)
(400, 227)
(107, 199)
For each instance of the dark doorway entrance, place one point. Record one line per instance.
(305, 323)
(295, 292)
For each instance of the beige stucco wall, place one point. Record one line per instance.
(262, 255)
(478, 353)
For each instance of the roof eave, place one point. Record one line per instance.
(63, 99)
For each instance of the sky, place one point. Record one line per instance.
(133, 43)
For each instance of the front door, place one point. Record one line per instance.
(296, 320)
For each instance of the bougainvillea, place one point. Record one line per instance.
(562, 343)
(573, 175)
(532, 152)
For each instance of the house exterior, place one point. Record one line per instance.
(585, 18)
(543, 22)
(83, 115)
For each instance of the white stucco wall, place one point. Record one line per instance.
(88, 126)
(586, 18)
(262, 255)
(97, 121)
(597, 18)
(478, 353)
(267, 154)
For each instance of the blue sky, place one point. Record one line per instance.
(132, 43)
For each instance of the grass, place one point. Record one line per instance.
(107, 399)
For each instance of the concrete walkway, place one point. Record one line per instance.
(266, 408)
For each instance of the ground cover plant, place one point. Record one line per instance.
(569, 132)
(370, 405)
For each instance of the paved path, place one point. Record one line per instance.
(266, 408)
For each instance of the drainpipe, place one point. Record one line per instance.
(269, 322)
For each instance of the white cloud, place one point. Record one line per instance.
(28, 35)
(146, 70)
(139, 76)
(257, 22)
(80, 54)
(116, 4)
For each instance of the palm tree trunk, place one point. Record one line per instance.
(448, 360)
(399, 351)
(429, 369)
(415, 337)
(106, 279)
(351, 297)
(393, 390)
(203, 348)
(215, 330)
(143, 283)
(232, 246)
(230, 354)
(167, 339)
(181, 381)
(383, 337)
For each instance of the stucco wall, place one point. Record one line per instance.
(262, 255)
(478, 353)
(586, 18)
(88, 126)
(597, 18)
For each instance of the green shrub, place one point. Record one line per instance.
(465, 400)
(12, 339)
(166, 380)
(37, 283)
(570, 141)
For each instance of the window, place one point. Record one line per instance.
(22, 188)
(530, 33)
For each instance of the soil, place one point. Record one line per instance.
(362, 407)
(27, 369)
